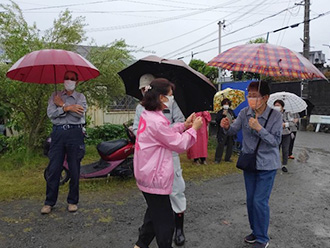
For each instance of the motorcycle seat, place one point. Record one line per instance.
(106, 148)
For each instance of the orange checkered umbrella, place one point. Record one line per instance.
(267, 59)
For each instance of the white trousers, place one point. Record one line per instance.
(178, 198)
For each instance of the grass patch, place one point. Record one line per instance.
(28, 182)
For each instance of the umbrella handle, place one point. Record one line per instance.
(55, 79)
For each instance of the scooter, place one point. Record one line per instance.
(115, 160)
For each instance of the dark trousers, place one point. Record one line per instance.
(158, 222)
(285, 144)
(221, 146)
(292, 143)
(69, 143)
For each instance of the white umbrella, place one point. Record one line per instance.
(292, 102)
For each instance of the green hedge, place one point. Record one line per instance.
(3, 143)
(106, 132)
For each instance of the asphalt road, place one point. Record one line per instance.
(215, 218)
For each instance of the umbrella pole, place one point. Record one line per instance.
(255, 115)
(55, 79)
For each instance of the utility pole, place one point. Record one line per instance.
(220, 79)
(306, 30)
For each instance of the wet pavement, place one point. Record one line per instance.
(215, 218)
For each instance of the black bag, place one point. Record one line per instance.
(248, 161)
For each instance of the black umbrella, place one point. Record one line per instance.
(194, 92)
(309, 108)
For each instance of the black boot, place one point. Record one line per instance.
(179, 238)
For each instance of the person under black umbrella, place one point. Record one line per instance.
(177, 197)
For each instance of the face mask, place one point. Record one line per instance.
(253, 103)
(170, 101)
(278, 108)
(69, 85)
(225, 106)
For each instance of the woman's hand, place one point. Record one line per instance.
(189, 122)
(225, 123)
(197, 124)
(254, 124)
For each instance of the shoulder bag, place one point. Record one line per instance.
(248, 161)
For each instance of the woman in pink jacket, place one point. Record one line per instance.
(153, 163)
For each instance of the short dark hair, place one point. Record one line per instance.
(224, 101)
(263, 89)
(280, 102)
(158, 86)
(75, 73)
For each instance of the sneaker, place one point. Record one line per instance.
(72, 207)
(260, 245)
(284, 169)
(291, 157)
(46, 209)
(217, 161)
(229, 161)
(251, 239)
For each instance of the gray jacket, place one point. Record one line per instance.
(174, 115)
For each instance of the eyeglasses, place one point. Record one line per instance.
(249, 97)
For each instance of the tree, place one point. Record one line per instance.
(202, 67)
(109, 59)
(258, 40)
(28, 102)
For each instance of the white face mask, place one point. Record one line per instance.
(69, 85)
(278, 108)
(225, 106)
(170, 101)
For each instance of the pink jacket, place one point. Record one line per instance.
(155, 141)
(199, 149)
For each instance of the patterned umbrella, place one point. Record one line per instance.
(292, 102)
(267, 59)
(235, 96)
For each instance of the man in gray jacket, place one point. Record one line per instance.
(178, 199)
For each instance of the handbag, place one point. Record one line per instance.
(248, 161)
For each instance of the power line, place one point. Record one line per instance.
(70, 5)
(237, 30)
(261, 20)
(194, 30)
(122, 11)
(168, 54)
(227, 44)
(155, 21)
(274, 31)
(189, 3)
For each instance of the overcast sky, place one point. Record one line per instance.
(177, 28)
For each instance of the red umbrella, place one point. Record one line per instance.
(267, 59)
(49, 65)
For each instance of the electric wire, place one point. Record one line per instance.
(155, 21)
(192, 43)
(274, 31)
